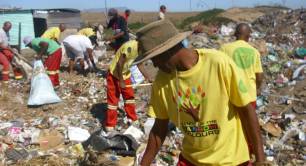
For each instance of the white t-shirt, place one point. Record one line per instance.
(78, 44)
(161, 16)
(4, 38)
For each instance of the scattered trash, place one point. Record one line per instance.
(136, 133)
(77, 134)
(124, 145)
(226, 31)
(148, 126)
(272, 129)
(77, 150)
(301, 52)
(136, 76)
(49, 139)
(16, 155)
(298, 71)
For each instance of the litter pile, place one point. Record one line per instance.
(280, 37)
(69, 133)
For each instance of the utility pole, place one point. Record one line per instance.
(190, 5)
(106, 11)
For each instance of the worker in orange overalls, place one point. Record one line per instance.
(53, 51)
(6, 53)
(119, 83)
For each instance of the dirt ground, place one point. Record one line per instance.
(246, 14)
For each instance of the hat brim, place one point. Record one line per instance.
(162, 47)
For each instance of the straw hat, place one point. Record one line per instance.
(156, 38)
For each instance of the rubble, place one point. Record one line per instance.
(280, 38)
(55, 134)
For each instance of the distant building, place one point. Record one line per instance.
(35, 21)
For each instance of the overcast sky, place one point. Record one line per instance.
(149, 5)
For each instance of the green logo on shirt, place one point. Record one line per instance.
(190, 100)
(242, 87)
(244, 57)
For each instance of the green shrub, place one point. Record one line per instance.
(136, 25)
(209, 16)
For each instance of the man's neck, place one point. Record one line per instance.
(243, 39)
(186, 59)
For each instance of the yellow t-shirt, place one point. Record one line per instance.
(52, 33)
(130, 49)
(213, 133)
(247, 58)
(86, 32)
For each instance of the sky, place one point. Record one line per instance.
(149, 5)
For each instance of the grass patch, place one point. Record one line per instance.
(209, 16)
(136, 25)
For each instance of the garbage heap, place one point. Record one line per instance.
(280, 37)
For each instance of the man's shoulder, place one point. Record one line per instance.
(253, 48)
(2, 31)
(121, 18)
(161, 78)
(215, 57)
(53, 29)
(129, 44)
(231, 44)
(211, 53)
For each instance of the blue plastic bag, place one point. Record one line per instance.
(136, 76)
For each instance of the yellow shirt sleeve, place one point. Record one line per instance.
(86, 32)
(57, 34)
(157, 108)
(258, 67)
(237, 90)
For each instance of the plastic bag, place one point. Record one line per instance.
(124, 145)
(136, 76)
(77, 134)
(42, 91)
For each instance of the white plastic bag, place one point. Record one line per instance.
(136, 76)
(135, 132)
(42, 91)
(77, 134)
(226, 30)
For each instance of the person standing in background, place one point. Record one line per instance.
(127, 14)
(162, 12)
(119, 26)
(6, 53)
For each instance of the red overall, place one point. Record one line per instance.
(6, 57)
(52, 65)
(113, 93)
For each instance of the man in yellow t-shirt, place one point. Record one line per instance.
(247, 59)
(197, 90)
(54, 33)
(118, 82)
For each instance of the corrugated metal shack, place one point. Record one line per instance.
(24, 17)
(34, 22)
